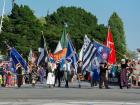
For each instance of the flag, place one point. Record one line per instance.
(42, 50)
(86, 42)
(61, 48)
(31, 59)
(71, 53)
(89, 51)
(102, 52)
(110, 44)
(64, 39)
(17, 58)
(81, 54)
(58, 48)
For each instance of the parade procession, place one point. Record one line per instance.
(96, 62)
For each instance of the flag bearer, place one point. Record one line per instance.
(67, 70)
(103, 78)
(19, 74)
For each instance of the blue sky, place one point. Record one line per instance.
(126, 9)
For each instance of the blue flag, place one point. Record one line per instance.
(17, 58)
(71, 53)
(102, 52)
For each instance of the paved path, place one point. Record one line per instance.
(65, 102)
(42, 95)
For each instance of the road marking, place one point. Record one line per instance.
(65, 102)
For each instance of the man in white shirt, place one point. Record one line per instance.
(67, 71)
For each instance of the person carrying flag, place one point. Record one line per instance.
(19, 75)
(67, 70)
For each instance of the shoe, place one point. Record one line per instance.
(66, 86)
(121, 87)
(100, 87)
(128, 87)
(108, 88)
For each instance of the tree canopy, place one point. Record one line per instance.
(22, 29)
(117, 29)
(80, 22)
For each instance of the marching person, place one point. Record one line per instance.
(123, 74)
(103, 78)
(19, 75)
(79, 73)
(41, 74)
(94, 75)
(58, 74)
(67, 70)
(34, 76)
(51, 76)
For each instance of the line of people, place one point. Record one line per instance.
(127, 74)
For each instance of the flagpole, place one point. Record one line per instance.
(2, 16)
(108, 36)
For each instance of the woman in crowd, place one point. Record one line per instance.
(51, 76)
(123, 74)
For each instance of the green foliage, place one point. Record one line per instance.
(21, 29)
(79, 23)
(132, 54)
(117, 29)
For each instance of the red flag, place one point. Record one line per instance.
(110, 44)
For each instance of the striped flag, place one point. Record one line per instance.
(89, 50)
(86, 43)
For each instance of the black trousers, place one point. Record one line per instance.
(58, 77)
(103, 79)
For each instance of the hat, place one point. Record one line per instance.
(122, 60)
(17, 65)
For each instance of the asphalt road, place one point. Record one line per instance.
(42, 95)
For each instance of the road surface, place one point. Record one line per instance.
(42, 95)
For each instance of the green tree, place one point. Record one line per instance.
(80, 22)
(117, 28)
(132, 54)
(22, 29)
